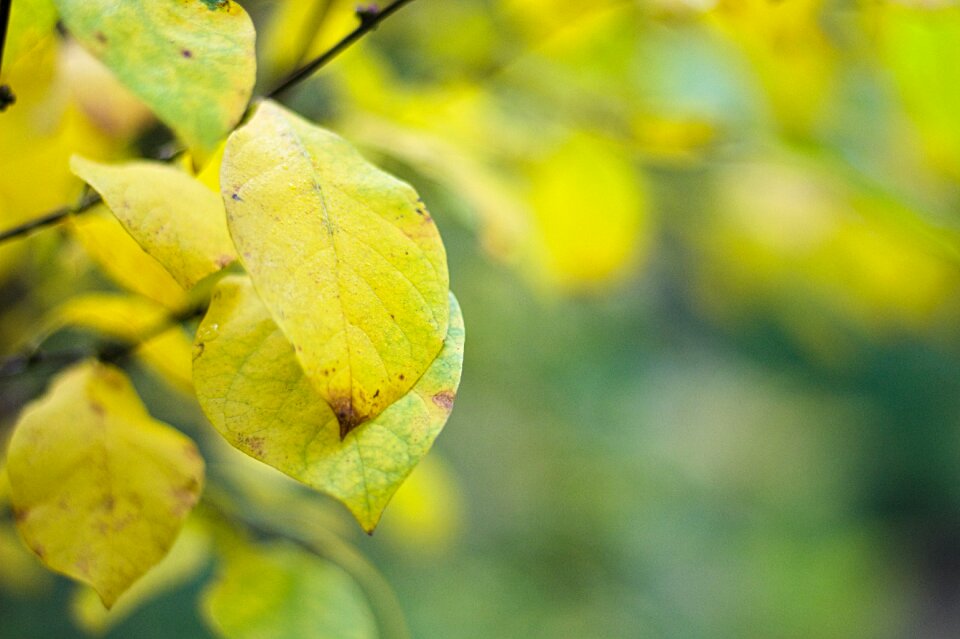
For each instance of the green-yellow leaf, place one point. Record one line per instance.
(99, 488)
(191, 61)
(172, 215)
(280, 591)
(345, 257)
(256, 395)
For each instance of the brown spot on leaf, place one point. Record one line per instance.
(377, 394)
(19, 515)
(253, 444)
(187, 53)
(236, 197)
(444, 399)
(347, 417)
(198, 350)
(101, 37)
(224, 260)
(40, 550)
(98, 409)
(402, 376)
(108, 503)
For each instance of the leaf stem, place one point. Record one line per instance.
(370, 17)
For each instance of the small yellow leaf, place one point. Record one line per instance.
(191, 61)
(345, 257)
(590, 208)
(120, 257)
(131, 319)
(99, 488)
(173, 216)
(256, 395)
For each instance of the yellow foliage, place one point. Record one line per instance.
(99, 489)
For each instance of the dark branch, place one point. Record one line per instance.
(111, 352)
(50, 218)
(370, 16)
(6, 94)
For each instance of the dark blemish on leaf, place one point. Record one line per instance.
(377, 394)
(40, 550)
(7, 98)
(236, 197)
(224, 260)
(101, 37)
(198, 350)
(213, 5)
(401, 376)
(185, 498)
(108, 503)
(444, 399)
(98, 409)
(187, 53)
(19, 515)
(253, 444)
(347, 417)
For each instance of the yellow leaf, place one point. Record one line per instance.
(30, 22)
(99, 488)
(426, 513)
(192, 61)
(345, 257)
(131, 319)
(256, 395)
(120, 257)
(185, 559)
(174, 217)
(590, 208)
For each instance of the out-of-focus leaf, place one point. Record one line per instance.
(280, 591)
(302, 29)
(30, 22)
(99, 488)
(120, 257)
(107, 103)
(426, 513)
(185, 559)
(345, 257)
(174, 217)
(131, 319)
(256, 395)
(19, 571)
(590, 209)
(191, 61)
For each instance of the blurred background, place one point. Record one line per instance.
(708, 257)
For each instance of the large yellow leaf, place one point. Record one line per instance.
(99, 488)
(191, 61)
(256, 395)
(171, 214)
(345, 257)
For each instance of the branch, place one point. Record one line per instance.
(369, 16)
(6, 95)
(50, 218)
(111, 352)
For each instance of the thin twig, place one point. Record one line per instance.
(370, 17)
(112, 352)
(51, 218)
(6, 94)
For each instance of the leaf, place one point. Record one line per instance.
(30, 22)
(99, 488)
(191, 61)
(186, 558)
(280, 591)
(120, 257)
(345, 257)
(590, 208)
(256, 395)
(131, 319)
(172, 215)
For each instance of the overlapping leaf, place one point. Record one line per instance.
(257, 396)
(99, 488)
(344, 256)
(172, 215)
(191, 61)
